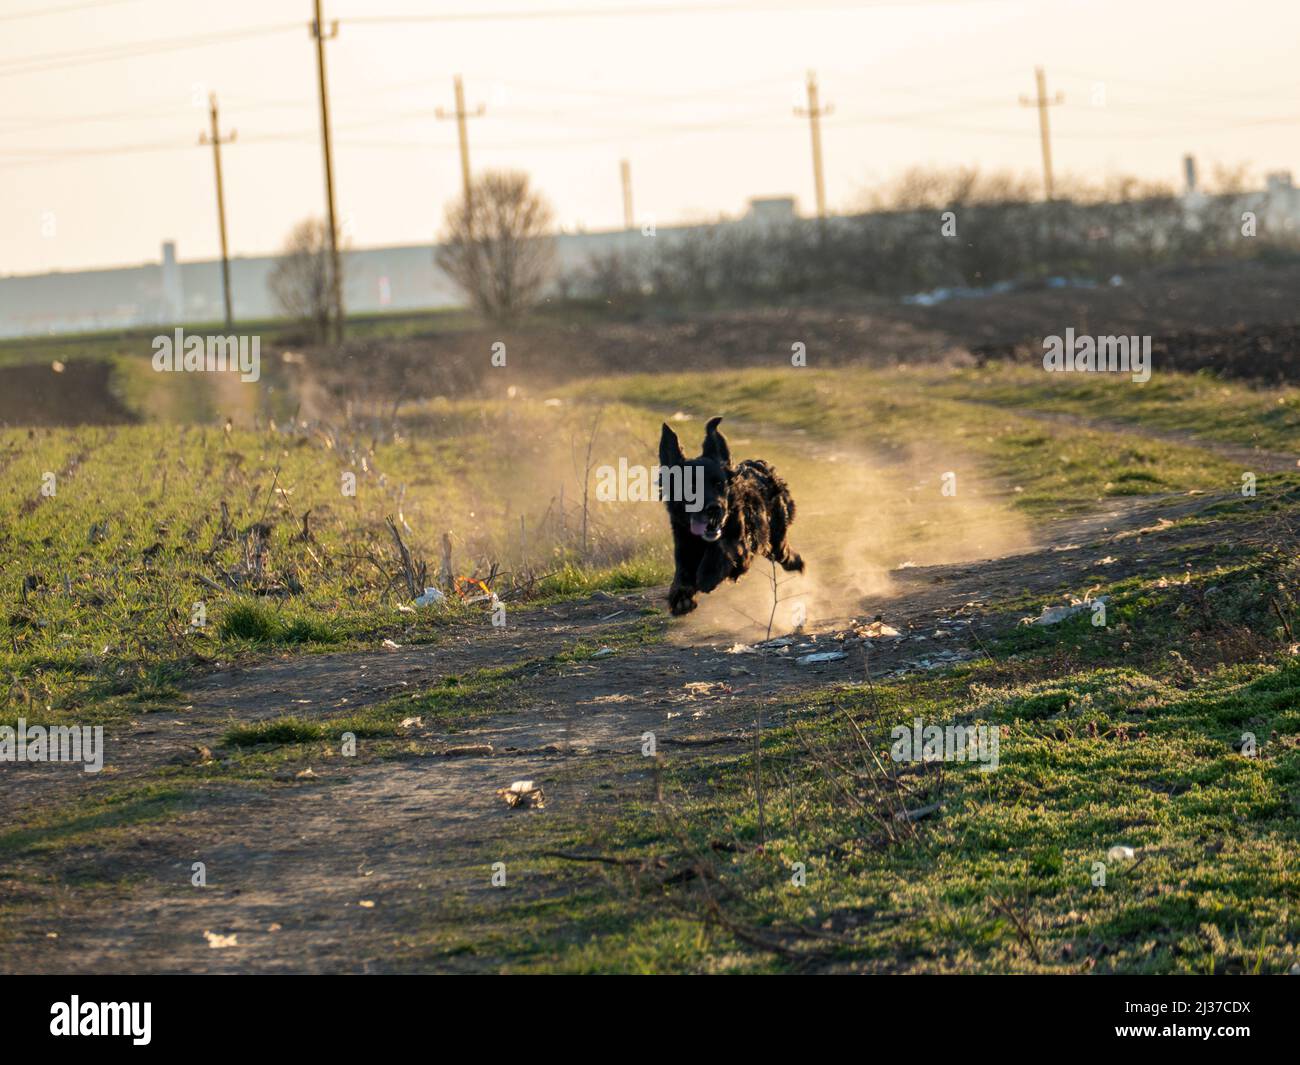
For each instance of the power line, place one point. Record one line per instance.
(1179, 90)
(88, 56)
(634, 11)
(379, 116)
(643, 133)
(38, 12)
(376, 117)
(34, 122)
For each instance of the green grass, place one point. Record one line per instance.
(1197, 404)
(130, 343)
(1215, 889)
(925, 419)
(132, 539)
(260, 624)
(1122, 735)
(572, 579)
(1118, 735)
(126, 579)
(117, 561)
(98, 819)
(1125, 735)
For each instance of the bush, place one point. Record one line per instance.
(894, 252)
(260, 624)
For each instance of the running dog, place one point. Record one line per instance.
(747, 510)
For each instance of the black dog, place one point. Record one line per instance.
(746, 510)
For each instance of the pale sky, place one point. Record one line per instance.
(101, 106)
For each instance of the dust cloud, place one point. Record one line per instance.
(859, 517)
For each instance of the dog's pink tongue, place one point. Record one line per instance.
(698, 526)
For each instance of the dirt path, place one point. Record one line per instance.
(356, 867)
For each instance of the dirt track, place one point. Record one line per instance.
(292, 867)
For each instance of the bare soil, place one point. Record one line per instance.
(79, 393)
(1238, 319)
(352, 868)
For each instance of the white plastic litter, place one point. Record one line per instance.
(1052, 615)
(430, 597)
(820, 656)
(523, 794)
(217, 941)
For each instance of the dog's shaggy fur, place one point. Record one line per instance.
(747, 510)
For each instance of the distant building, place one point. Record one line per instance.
(771, 210)
(173, 291)
(400, 278)
(1281, 208)
(1276, 206)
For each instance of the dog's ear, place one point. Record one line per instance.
(715, 444)
(670, 448)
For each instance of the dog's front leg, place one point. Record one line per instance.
(681, 598)
(714, 568)
(686, 557)
(725, 560)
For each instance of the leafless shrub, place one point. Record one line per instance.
(498, 248)
(616, 276)
(929, 188)
(1001, 231)
(1229, 179)
(300, 280)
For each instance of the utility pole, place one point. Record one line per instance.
(815, 111)
(626, 169)
(460, 115)
(217, 140)
(1044, 130)
(336, 272)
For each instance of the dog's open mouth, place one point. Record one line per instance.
(706, 530)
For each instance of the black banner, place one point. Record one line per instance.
(152, 1013)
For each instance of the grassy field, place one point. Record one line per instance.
(944, 414)
(1125, 735)
(1137, 752)
(104, 576)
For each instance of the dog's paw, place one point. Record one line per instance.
(793, 564)
(681, 600)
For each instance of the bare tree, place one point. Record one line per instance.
(1232, 180)
(929, 188)
(499, 247)
(300, 280)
